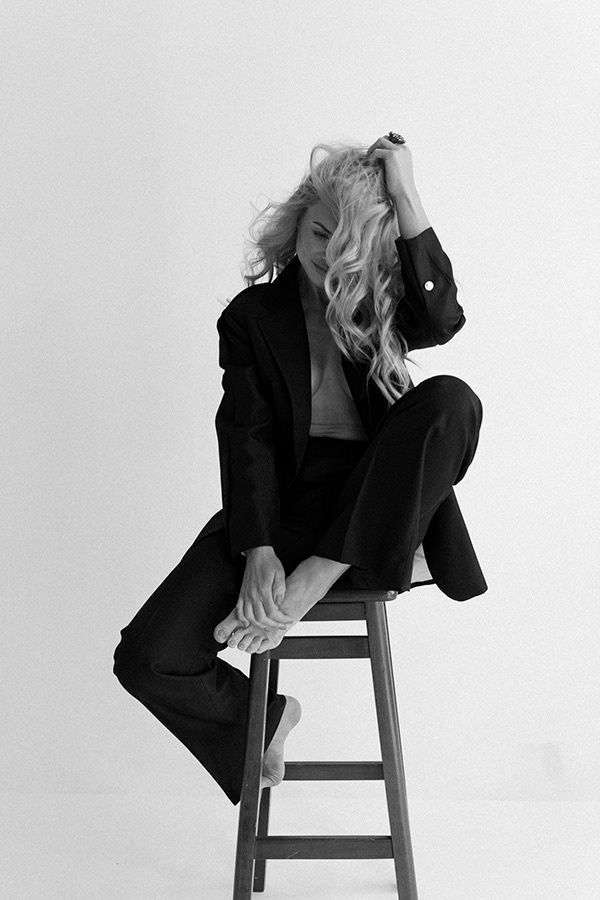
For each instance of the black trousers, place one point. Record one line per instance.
(365, 503)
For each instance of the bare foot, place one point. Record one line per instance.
(225, 629)
(273, 766)
(232, 629)
(305, 586)
(252, 638)
(243, 634)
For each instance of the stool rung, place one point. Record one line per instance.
(361, 595)
(322, 647)
(335, 612)
(335, 846)
(333, 771)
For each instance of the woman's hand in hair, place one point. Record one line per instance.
(397, 159)
(400, 185)
(262, 590)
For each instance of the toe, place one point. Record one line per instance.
(245, 641)
(253, 646)
(225, 628)
(220, 634)
(234, 639)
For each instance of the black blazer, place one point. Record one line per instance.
(263, 419)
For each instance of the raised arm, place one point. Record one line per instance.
(428, 313)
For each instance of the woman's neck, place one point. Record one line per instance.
(311, 294)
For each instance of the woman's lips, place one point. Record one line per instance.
(319, 267)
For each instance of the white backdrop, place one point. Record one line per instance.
(137, 136)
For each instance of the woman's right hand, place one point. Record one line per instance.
(262, 590)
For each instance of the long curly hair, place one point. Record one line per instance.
(363, 281)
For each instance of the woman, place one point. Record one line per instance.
(335, 468)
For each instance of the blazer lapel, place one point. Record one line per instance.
(284, 330)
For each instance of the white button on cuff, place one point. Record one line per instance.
(428, 285)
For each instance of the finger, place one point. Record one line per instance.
(381, 142)
(239, 612)
(279, 588)
(373, 146)
(276, 624)
(274, 598)
(273, 614)
(246, 640)
(256, 615)
(277, 620)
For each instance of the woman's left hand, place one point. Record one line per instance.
(397, 159)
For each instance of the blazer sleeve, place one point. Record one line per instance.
(429, 313)
(245, 434)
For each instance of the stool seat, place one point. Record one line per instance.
(254, 843)
(355, 594)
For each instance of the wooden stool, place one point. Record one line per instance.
(254, 844)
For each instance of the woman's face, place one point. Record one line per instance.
(316, 227)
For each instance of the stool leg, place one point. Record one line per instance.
(260, 865)
(257, 716)
(391, 748)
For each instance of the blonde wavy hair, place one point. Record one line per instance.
(363, 281)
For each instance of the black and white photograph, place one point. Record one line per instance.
(302, 438)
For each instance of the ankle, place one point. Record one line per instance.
(328, 569)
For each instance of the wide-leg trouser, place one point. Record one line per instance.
(364, 503)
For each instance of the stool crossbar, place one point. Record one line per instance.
(254, 843)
